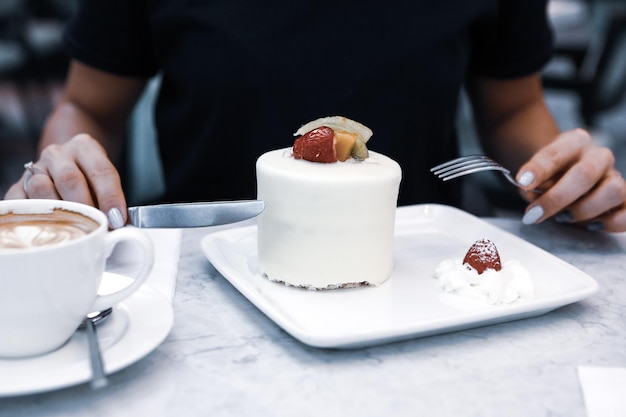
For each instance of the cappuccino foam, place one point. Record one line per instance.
(22, 231)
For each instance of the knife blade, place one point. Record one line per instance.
(182, 215)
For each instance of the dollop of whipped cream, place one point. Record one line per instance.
(511, 283)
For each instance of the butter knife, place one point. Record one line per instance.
(194, 214)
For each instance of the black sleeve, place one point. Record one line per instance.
(113, 36)
(514, 42)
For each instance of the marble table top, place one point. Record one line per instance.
(223, 357)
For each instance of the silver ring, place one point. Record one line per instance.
(32, 170)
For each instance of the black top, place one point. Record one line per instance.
(239, 77)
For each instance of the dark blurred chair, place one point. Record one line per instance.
(594, 43)
(143, 173)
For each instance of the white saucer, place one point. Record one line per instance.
(137, 326)
(410, 304)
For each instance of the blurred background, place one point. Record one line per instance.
(32, 69)
(585, 82)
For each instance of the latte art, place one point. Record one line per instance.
(22, 231)
(33, 235)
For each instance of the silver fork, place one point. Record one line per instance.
(469, 165)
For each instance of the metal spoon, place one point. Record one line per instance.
(98, 376)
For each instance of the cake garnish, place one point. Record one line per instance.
(483, 255)
(349, 139)
(318, 145)
(482, 277)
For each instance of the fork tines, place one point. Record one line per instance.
(466, 165)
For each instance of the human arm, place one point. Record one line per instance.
(81, 138)
(579, 177)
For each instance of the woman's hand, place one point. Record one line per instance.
(77, 170)
(580, 181)
(80, 169)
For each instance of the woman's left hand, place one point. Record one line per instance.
(580, 184)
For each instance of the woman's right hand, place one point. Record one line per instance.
(77, 170)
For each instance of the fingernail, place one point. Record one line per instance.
(595, 226)
(564, 217)
(115, 218)
(526, 178)
(532, 215)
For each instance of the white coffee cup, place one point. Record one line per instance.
(46, 289)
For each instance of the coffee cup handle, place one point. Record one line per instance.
(127, 234)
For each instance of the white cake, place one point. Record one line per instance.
(326, 225)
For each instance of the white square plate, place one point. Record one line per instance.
(410, 304)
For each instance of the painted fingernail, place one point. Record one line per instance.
(115, 218)
(564, 217)
(595, 226)
(532, 215)
(526, 178)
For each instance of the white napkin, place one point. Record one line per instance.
(125, 259)
(604, 390)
